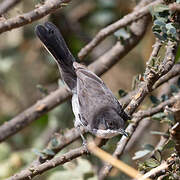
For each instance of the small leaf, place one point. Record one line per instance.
(54, 142)
(159, 36)
(122, 93)
(48, 152)
(170, 116)
(159, 23)
(159, 116)
(159, 133)
(164, 97)
(174, 89)
(140, 154)
(148, 147)
(152, 163)
(157, 155)
(170, 144)
(154, 100)
(37, 152)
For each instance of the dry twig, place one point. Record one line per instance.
(126, 20)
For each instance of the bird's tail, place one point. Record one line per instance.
(55, 44)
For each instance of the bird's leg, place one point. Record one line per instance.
(82, 137)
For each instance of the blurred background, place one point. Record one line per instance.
(28, 73)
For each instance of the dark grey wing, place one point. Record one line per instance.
(93, 94)
(54, 42)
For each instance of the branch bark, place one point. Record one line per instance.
(126, 20)
(26, 18)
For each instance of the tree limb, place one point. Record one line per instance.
(26, 18)
(126, 20)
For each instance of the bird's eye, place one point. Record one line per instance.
(51, 31)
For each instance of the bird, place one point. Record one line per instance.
(93, 103)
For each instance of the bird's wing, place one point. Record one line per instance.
(93, 95)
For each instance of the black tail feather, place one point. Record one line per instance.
(54, 42)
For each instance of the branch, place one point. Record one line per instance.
(39, 169)
(7, 4)
(100, 66)
(151, 76)
(26, 18)
(175, 71)
(137, 117)
(145, 87)
(126, 20)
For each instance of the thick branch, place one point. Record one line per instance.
(126, 20)
(34, 171)
(26, 18)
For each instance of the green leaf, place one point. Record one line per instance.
(54, 142)
(152, 163)
(170, 144)
(174, 88)
(48, 152)
(157, 155)
(160, 37)
(141, 154)
(159, 23)
(154, 100)
(148, 147)
(159, 133)
(38, 153)
(122, 93)
(164, 97)
(159, 116)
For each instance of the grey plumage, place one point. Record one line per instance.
(94, 105)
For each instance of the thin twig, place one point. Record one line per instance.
(175, 71)
(126, 20)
